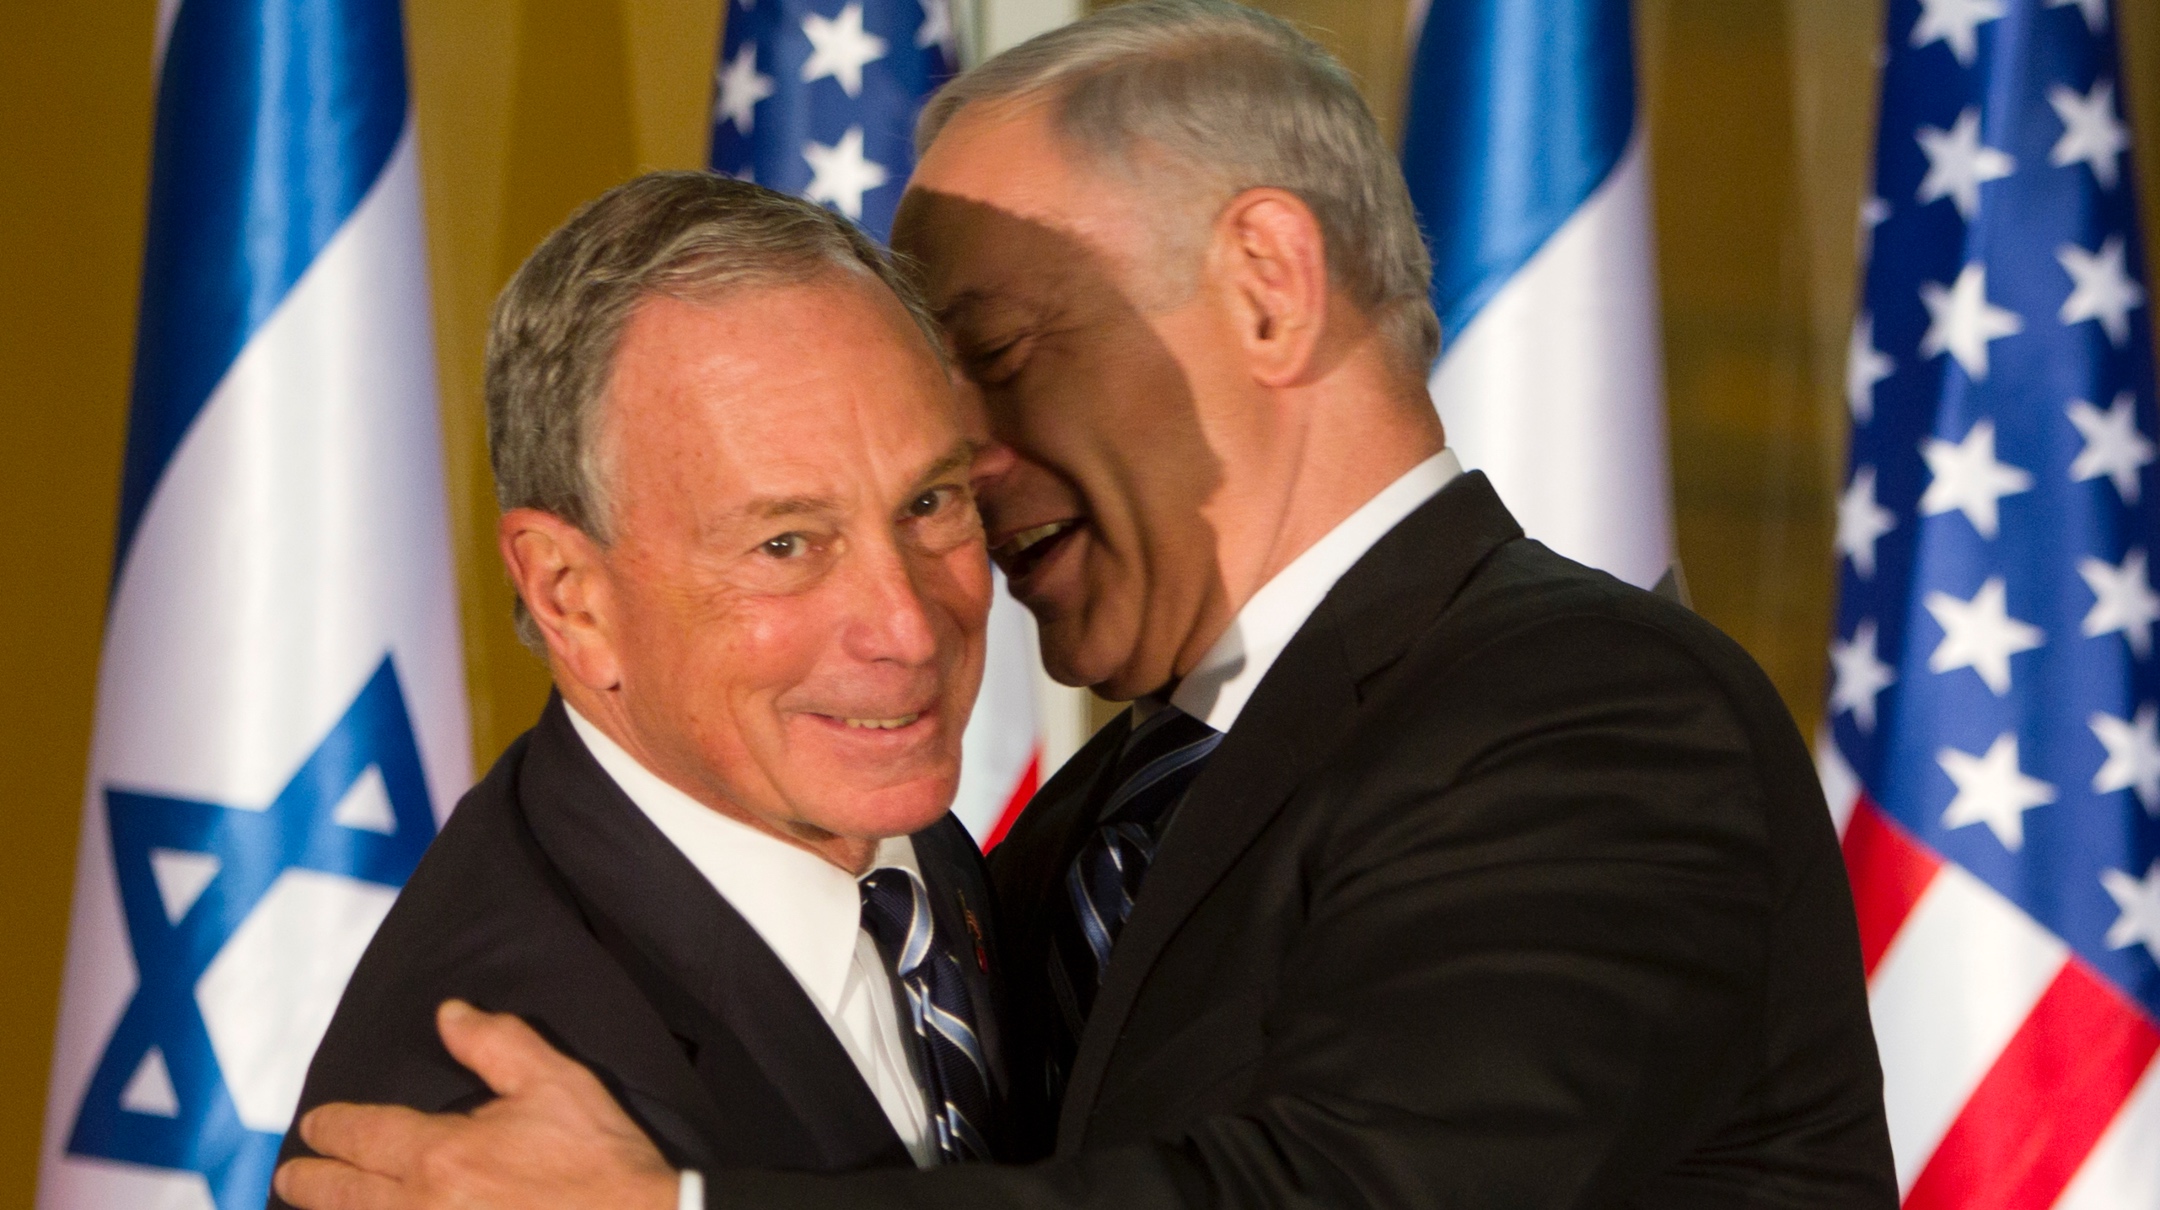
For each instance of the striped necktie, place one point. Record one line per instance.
(941, 1014)
(1160, 761)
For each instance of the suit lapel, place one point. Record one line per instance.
(1029, 867)
(702, 964)
(1277, 739)
(960, 905)
(1296, 718)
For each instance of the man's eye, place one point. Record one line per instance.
(786, 546)
(941, 518)
(997, 363)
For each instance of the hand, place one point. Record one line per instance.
(553, 1137)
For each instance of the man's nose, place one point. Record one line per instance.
(891, 618)
(994, 462)
(1016, 487)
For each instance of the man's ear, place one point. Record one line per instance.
(1273, 259)
(558, 571)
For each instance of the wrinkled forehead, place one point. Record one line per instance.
(788, 388)
(1002, 207)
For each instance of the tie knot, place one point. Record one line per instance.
(1162, 756)
(896, 912)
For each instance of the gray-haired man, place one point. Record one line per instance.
(736, 507)
(1428, 869)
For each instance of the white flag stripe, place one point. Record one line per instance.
(2122, 1172)
(1556, 389)
(1840, 785)
(296, 537)
(1001, 736)
(167, 12)
(95, 985)
(1956, 983)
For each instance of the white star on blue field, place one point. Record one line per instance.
(1995, 684)
(190, 875)
(818, 97)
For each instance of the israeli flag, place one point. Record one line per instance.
(1528, 167)
(281, 707)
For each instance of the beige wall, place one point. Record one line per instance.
(1760, 115)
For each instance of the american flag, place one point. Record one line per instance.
(819, 98)
(1994, 737)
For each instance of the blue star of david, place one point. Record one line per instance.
(253, 848)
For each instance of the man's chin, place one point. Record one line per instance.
(873, 811)
(1073, 655)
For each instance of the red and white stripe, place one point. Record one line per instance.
(2014, 1077)
(1002, 751)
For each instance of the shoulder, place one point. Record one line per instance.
(1530, 622)
(484, 888)
(1546, 682)
(482, 916)
(1524, 584)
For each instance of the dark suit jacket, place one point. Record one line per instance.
(549, 894)
(1512, 886)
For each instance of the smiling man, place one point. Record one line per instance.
(1428, 868)
(736, 509)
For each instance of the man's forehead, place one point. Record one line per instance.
(999, 190)
(813, 486)
(777, 393)
(997, 149)
(989, 267)
(992, 305)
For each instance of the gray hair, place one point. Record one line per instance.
(1235, 100)
(554, 330)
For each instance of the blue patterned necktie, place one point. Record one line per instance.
(941, 1014)
(1160, 761)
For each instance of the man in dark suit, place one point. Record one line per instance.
(719, 871)
(1428, 869)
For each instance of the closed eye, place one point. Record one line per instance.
(996, 364)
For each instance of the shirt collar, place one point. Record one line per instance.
(1216, 690)
(807, 910)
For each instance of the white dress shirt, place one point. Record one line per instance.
(809, 913)
(1216, 690)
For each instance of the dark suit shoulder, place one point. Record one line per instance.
(483, 918)
(1535, 639)
(1525, 586)
(1554, 727)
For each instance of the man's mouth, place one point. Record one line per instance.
(881, 724)
(1024, 551)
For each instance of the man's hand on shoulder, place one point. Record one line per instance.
(553, 1138)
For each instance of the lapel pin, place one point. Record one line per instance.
(974, 928)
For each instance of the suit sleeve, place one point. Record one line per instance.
(1532, 970)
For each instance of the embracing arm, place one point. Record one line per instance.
(553, 1136)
